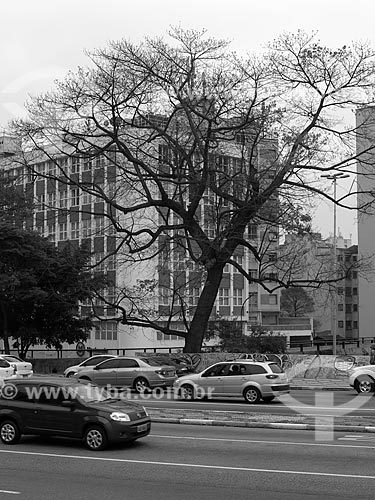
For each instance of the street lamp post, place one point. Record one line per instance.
(334, 177)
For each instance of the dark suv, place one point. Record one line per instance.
(61, 407)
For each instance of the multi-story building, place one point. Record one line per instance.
(332, 302)
(64, 212)
(366, 218)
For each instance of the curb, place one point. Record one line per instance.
(274, 425)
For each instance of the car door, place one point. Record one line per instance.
(106, 372)
(51, 416)
(211, 381)
(127, 371)
(235, 377)
(6, 370)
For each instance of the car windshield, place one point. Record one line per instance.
(92, 393)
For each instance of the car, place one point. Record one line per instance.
(141, 374)
(362, 379)
(6, 370)
(92, 361)
(22, 368)
(239, 378)
(68, 408)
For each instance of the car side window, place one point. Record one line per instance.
(214, 371)
(255, 369)
(4, 364)
(52, 395)
(111, 363)
(128, 363)
(94, 361)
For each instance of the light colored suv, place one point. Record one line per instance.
(140, 374)
(241, 378)
(362, 378)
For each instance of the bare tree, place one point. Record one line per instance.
(205, 142)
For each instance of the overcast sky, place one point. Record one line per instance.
(42, 40)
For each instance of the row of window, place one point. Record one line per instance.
(349, 308)
(75, 230)
(106, 331)
(72, 198)
(349, 291)
(349, 325)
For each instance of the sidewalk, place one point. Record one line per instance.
(325, 384)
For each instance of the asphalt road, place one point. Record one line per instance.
(190, 462)
(322, 403)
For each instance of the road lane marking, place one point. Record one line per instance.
(10, 492)
(191, 466)
(259, 441)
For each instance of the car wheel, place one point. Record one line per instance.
(141, 385)
(364, 385)
(9, 432)
(70, 374)
(187, 392)
(95, 438)
(267, 399)
(251, 395)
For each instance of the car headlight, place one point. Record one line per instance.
(177, 382)
(120, 417)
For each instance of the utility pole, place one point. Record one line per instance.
(334, 177)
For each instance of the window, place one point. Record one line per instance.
(340, 307)
(74, 196)
(63, 231)
(75, 231)
(270, 299)
(252, 231)
(51, 199)
(128, 363)
(194, 296)
(348, 325)
(348, 291)
(348, 308)
(110, 364)
(355, 274)
(255, 369)
(341, 324)
(355, 291)
(237, 296)
(272, 257)
(107, 331)
(76, 164)
(87, 198)
(111, 262)
(223, 296)
(51, 230)
(99, 262)
(63, 199)
(164, 296)
(87, 163)
(99, 226)
(238, 259)
(355, 325)
(355, 307)
(40, 201)
(51, 168)
(86, 228)
(100, 161)
(164, 154)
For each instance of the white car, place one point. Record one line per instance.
(362, 378)
(6, 370)
(22, 368)
(87, 363)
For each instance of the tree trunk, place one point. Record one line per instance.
(198, 327)
(5, 329)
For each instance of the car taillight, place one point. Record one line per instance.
(272, 376)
